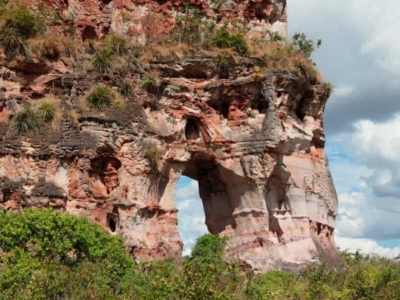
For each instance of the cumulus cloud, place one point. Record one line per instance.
(370, 205)
(191, 219)
(361, 50)
(366, 246)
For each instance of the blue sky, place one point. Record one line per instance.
(360, 56)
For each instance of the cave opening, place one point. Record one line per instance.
(112, 224)
(89, 33)
(225, 110)
(203, 203)
(191, 130)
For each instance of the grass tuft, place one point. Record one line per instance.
(115, 43)
(28, 121)
(100, 97)
(103, 60)
(152, 84)
(224, 62)
(49, 111)
(125, 87)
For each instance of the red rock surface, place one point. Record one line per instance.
(146, 19)
(255, 146)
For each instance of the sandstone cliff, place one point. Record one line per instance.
(252, 137)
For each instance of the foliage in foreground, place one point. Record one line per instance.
(52, 255)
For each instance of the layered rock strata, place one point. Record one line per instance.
(255, 144)
(149, 19)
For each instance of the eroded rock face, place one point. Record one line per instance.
(253, 143)
(147, 19)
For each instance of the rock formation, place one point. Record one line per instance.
(255, 144)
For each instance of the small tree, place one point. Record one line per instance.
(302, 44)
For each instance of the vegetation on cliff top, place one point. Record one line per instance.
(118, 62)
(52, 255)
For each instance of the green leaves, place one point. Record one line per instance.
(18, 24)
(237, 41)
(304, 45)
(26, 121)
(102, 96)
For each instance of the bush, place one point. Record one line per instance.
(224, 62)
(51, 255)
(237, 42)
(18, 24)
(125, 87)
(27, 121)
(304, 45)
(151, 84)
(103, 60)
(53, 46)
(192, 29)
(49, 111)
(116, 44)
(101, 96)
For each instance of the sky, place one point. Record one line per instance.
(360, 56)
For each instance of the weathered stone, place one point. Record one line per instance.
(255, 146)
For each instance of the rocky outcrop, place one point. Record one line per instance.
(149, 19)
(253, 143)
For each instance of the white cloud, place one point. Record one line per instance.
(369, 206)
(191, 219)
(366, 246)
(190, 190)
(343, 91)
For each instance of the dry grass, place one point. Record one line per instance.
(73, 117)
(50, 111)
(283, 56)
(53, 46)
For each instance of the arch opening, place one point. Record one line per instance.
(203, 201)
(191, 216)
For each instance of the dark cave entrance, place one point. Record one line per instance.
(192, 130)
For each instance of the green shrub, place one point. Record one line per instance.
(117, 103)
(115, 43)
(18, 24)
(207, 275)
(103, 60)
(52, 255)
(275, 37)
(28, 121)
(224, 39)
(101, 96)
(304, 45)
(125, 87)
(192, 28)
(48, 110)
(224, 62)
(152, 84)
(273, 285)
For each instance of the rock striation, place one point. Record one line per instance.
(147, 19)
(255, 144)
